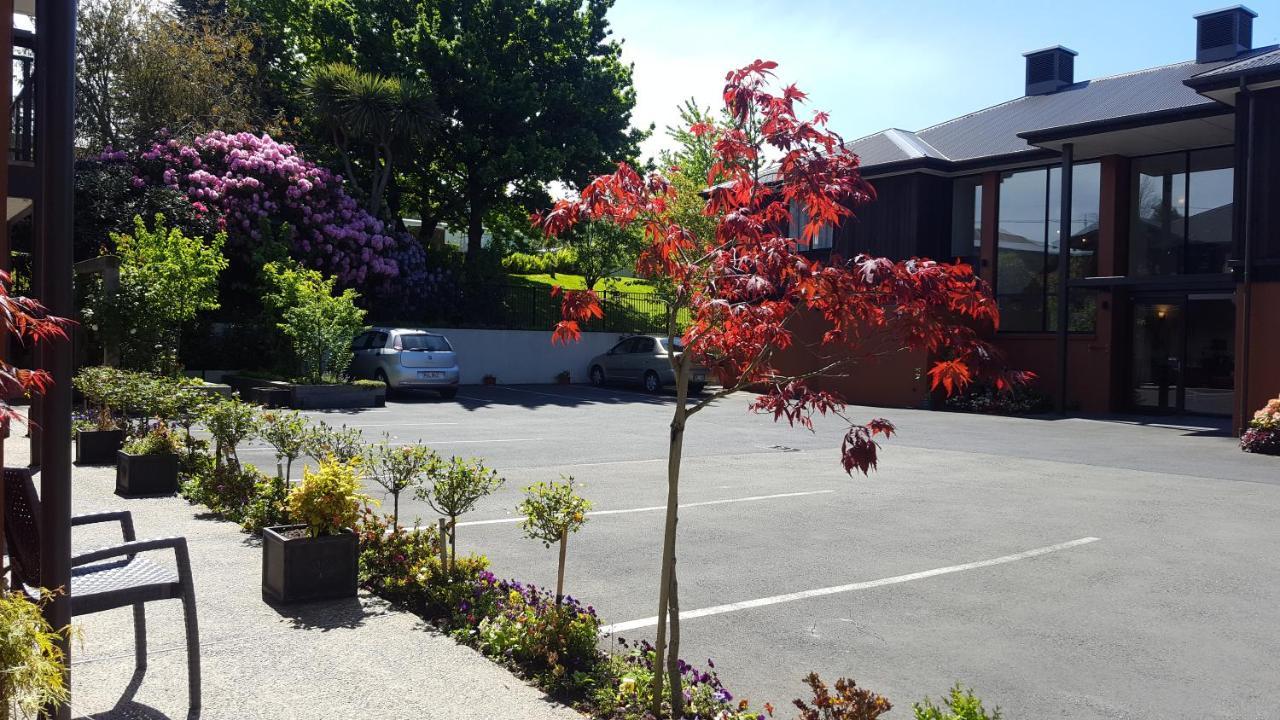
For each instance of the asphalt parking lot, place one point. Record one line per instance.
(1082, 568)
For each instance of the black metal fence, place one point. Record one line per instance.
(532, 307)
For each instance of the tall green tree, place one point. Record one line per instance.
(141, 68)
(530, 92)
(533, 90)
(372, 120)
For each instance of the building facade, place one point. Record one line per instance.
(1165, 182)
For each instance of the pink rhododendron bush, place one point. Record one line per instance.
(263, 188)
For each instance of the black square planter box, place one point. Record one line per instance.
(98, 447)
(146, 474)
(299, 568)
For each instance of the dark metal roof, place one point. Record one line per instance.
(1156, 94)
(1263, 62)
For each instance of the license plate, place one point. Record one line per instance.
(699, 377)
(430, 374)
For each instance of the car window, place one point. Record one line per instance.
(362, 341)
(642, 345)
(666, 342)
(379, 341)
(424, 341)
(622, 347)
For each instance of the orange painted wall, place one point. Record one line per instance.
(1088, 367)
(1263, 380)
(892, 381)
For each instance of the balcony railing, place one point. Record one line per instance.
(22, 109)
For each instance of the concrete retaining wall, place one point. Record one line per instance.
(523, 356)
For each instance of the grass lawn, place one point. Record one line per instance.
(577, 282)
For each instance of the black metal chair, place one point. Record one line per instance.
(108, 578)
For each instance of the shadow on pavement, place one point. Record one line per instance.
(474, 397)
(346, 613)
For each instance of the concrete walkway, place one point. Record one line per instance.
(340, 659)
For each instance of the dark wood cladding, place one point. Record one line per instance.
(910, 217)
(1263, 210)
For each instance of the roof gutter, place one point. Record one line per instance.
(1095, 127)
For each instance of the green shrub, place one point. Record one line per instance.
(166, 278)
(267, 508)
(159, 441)
(562, 260)
(228, 491)
(369, 384)
(319, 322)
(103, 391)
(31, 660)
(959, 704)
(328, 501)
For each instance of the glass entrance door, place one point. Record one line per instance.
(1156, 365)
(1183, 354)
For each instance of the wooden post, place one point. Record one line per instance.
(564, 544)
(6, 260)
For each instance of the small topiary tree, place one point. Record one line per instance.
(400, 468)
(457, 485)
(342, 443)
(552, 511)
(230, 422)
(319, 323)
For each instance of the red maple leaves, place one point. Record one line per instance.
(24, 321)
(744, 286)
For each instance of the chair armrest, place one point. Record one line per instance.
(177, 544)
(124, 517)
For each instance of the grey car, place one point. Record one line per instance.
(644, 360)
(406, 359)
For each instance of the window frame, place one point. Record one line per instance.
(799, 217)
(1049, 211)
(1184, 253)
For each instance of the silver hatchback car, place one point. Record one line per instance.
(643, 359)
(406, 359)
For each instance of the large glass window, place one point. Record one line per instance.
(1027, 272)
(1181, 213)
(966, 218)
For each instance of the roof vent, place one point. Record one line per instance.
(1049, 70)
(1224, 34)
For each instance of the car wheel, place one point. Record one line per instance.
(597, 375)
(695, 388)
(449, 393)
(381, 377)
(651, 382)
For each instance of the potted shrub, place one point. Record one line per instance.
(562, 378)
(148, 465)
(100, 434)
(318, 558)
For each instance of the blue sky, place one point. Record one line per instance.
(874, 65)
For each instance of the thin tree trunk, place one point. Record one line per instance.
(453, 543)
(564, 544)
(676, 690)
(668, 550)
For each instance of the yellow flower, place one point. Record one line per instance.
(627, 686)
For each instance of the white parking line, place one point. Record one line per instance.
(819, 592)
(752, 498)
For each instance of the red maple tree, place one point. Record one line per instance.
(743, 288)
